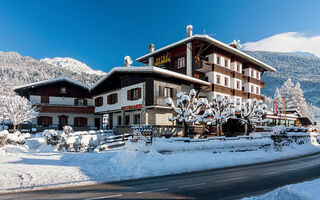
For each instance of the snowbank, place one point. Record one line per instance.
(302, 191)
(37, 165)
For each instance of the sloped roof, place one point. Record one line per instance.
(151, 69)
(31, 85)
(215, 42)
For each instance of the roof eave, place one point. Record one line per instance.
(218, 43)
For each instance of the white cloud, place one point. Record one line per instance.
(287, 42)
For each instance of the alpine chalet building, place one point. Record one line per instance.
(136, 95)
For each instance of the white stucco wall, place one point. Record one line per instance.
(122, 99)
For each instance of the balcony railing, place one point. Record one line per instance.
(222, 89)
(240, 93)
(203, 66)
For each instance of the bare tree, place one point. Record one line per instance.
(252, 112)
(187, 108)
(219, 111)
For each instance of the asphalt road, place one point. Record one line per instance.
(229, 183)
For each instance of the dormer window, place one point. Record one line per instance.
(63, 90)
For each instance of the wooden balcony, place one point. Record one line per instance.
(259, 97)
(203, 66)
(240, 76)
(222, 89)
(256, 82)
(222, 70)
(240, 93)
(65, 109)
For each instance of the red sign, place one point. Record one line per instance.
(134, 107)
(275, 108)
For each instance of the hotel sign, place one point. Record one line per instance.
(134, 107)
(162, 59)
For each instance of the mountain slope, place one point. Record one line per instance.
(23, 69)
(303, 69)
(71, 64)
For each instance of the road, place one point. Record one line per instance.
(228, 183)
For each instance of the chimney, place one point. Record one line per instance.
(127, 61)
(189, 30)
(151, 48)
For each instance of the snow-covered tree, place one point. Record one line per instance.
(187, 108)
(278, 99)
(17, 110)
(286, 91)
(219, 110)
(252, 112)
(298, 100)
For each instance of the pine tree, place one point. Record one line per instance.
(278, 99)
(298, 100)
(286, 91)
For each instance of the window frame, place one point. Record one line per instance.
(181, 61)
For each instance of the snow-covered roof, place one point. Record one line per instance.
(216, 43)
(151, 69)
(51, 81)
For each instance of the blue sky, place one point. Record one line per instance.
(101, 33)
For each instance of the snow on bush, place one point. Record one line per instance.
(16, 138)
(67, 130)
(51, 136)
(3, 137)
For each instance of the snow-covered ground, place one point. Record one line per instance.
(301, 191)
(36, 165)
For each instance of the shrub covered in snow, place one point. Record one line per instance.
(3, 137)
(51, 136)
(67, 130)
(16, 138)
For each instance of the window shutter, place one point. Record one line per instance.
(39, 120)
(116, 98)
(96, 101)
(84, 121)
(139, 93)
(76, 101)
(161, 91)
(174, 93)
(109, 99)
(85, 102)
(129, 95)
(76, 121)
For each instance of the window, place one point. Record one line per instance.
(80, 102)
(134, 94)
(44, 99)
(238, 85)
(112, 98)
(257, 90)
(119, 120)
(63, 90)
(181, 62)
(226, 81)
(44, 121)
(80, 121)
(226, 63)
(218, 79)
(168, 92)
(218, 60)
(252, 89)
(258, 75)
(98, 101)
(238, 68)
(136, 119)
(252, 73)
